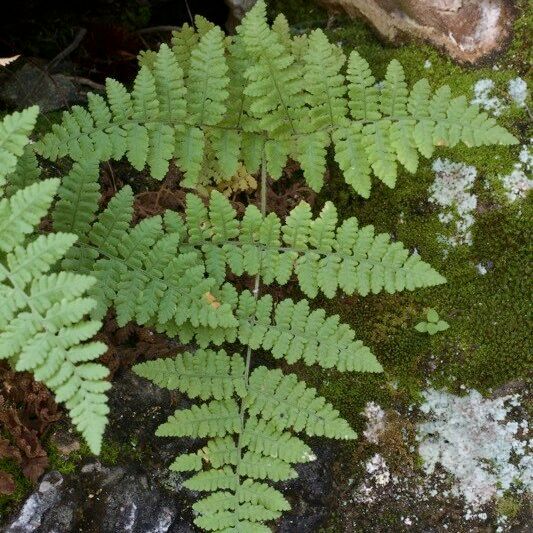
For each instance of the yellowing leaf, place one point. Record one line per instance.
(211, 300)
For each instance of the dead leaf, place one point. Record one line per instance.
(7, 483)
(211, 300)
(5, 61)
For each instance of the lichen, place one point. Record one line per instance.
(476, 441)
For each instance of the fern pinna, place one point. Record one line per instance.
(212, 101)
(42, 309)
(210, 104)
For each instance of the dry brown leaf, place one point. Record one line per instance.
(211, 300)
(7, 483)
(5, 61)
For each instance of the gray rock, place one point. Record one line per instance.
(143, 496)
(468, 30)
(34, 85)
(34, 509)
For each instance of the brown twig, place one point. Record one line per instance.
(154, 29)
(68, 50)
(189, 12)
(86, 81)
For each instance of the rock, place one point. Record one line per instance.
(34, 85)
(468, 30)
(238, 9)
(139, 494)
(35, 507)
(136, 498)
(309, 493)
(96, 498)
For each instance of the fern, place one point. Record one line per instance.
(211, 102)
(138, 269)
(42, 310)
(213, 105)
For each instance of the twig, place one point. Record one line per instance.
(88, 82)
(68, 50)
(189, 11)
(158, 28)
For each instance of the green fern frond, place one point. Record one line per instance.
(139, 269)
(42, 313)
(213, 101)
(206, 374)
(250, 444)
(14, 132)
(215, 419)
(27, 172)
(324, 256)
(207, 79)
(288, 403)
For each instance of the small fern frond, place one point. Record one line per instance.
(288, 403)
(14, 132)
(78, 198)
(273, 82)
(20, 214)
(215, 419)
(207, 79)
(139, 269)
(206, 374)
(263, 437)
(293, 332)
(324, 83)
(27, 172)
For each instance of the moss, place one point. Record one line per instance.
(508, 506)
(22, 487)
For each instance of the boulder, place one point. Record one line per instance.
(468, 30)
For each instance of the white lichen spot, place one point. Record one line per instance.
(483, 97)
(375, 422)
(482, 269)
(308, 456)
(473, 439)
(378, 475)
(451, 191)
(378, 469)
(517, 89)
(427, 64)
(518, 183)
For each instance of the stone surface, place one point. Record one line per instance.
(139, 494)
(238, 8)
(468, 30)
(34, 85)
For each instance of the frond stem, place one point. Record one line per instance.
(256, 297)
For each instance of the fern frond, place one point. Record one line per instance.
(14, 132)
(274, 85)
(27, 172)
(263, 437)
(207, 79)
(288, 403)
(323, 255)
(20, 214)
(42, 313)
(213, 102)
(206, 374)
(78, 198)
(215, 419)
(139, 269)
(324, 83)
